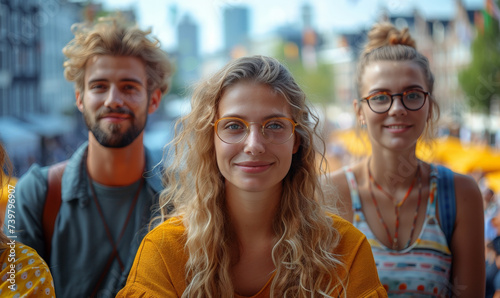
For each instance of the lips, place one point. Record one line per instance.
(396, 128)
(115, 117)
(254, 167)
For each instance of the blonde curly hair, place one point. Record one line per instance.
(303, 254)
(113, 36)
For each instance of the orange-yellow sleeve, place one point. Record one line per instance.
(363, 280)
(158, 269)
(24, 273)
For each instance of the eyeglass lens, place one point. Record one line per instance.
(412, 100)
(235, 130)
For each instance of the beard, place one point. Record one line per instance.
(112, 137)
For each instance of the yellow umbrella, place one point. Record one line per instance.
(358, 144)
(449, 151)
(466, 158)
(354, 143)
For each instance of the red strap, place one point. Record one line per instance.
(52, 204)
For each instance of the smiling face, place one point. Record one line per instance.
(398, 128)
(254, 164)
(114, 101)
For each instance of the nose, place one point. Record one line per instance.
(113, 98)
(255, 141)
(397, 108)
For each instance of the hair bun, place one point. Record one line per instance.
(385, 34)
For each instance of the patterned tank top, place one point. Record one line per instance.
(421, 270)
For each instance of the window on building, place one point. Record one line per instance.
(16, 101)
(4, 21)
(16, 61)
(3, 57)
(30, 61)
(4, 101)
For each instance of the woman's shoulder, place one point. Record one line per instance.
(465, 184)
(31, 272)
(467, 195)
(339, 177)
(346, 229)
(170, 231)
(466, 189)
(336, 186)
(353, 245)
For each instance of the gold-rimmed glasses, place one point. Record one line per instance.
(232, 130)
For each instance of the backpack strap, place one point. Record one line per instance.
(446, 201)
(52, 204)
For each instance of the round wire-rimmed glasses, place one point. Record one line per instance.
(381, 102)
(232, 130)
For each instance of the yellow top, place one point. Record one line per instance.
(159, 266)
(24, 273)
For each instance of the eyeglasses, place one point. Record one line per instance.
(232, 130)
(381, 102)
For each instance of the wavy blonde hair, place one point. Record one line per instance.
(303, 254)
(387, 43)
(113, 36)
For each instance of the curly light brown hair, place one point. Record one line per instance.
(113, 36)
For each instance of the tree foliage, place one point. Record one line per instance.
(316, 80)
(481, 79)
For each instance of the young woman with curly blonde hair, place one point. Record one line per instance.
(249, 219)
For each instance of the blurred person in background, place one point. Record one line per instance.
(250, 218)
(492, 268)
(87, 217)
(23, 273)
(420, 247)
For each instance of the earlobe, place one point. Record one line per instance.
(155, 100)
(79, 100)
(358, 112)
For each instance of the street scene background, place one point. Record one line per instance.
(318, 40)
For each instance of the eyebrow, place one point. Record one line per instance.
(387, 90)
(132, 80)
(276, 115)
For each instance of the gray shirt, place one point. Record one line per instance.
(80, 246)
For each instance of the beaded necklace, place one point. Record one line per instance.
(397, 206)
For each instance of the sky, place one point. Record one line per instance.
(266, 15)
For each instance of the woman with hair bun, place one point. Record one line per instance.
(249, 217)
(426, 232)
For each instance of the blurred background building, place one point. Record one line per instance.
(40, 123)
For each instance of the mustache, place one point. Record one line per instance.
(102, 112)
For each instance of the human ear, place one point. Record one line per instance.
(154, 101)
(359, 112)
(79, 100)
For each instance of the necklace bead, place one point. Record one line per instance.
(397, 206)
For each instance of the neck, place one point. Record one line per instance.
(115, 166)
(393, 170)
(252, 213)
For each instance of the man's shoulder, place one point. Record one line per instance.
(36, 174)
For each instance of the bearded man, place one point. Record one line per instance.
(106, 190)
